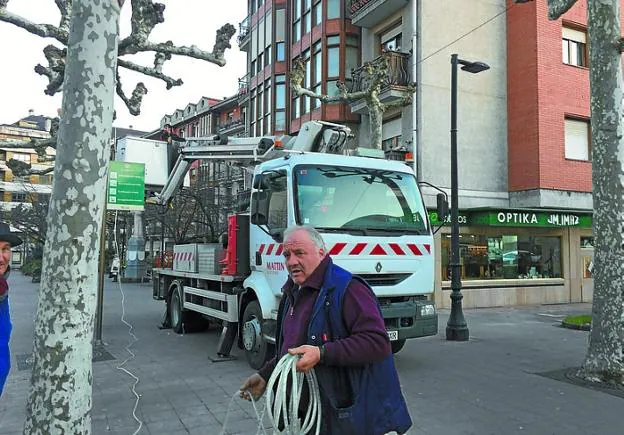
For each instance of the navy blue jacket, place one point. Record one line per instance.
(5, 336)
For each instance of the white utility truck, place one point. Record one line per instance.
(369, 210)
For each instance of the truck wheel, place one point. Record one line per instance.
(397, 345)
(175, 311)
(257, 349)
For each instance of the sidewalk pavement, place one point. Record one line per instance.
(500, 382)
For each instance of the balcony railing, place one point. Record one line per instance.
(368, 13)
(243, 88)
(243, 31)
(231, 124)
(398, 74)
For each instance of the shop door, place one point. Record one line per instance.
(587, 268)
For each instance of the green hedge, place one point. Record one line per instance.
(31, 267)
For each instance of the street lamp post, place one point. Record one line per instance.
(456, 327)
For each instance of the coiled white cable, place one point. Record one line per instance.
(284, 407)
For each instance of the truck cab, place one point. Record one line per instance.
(374, 224)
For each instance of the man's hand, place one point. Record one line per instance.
(310, 356)
(254, 385)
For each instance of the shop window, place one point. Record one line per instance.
(574, 47)
(587, 242)
(588, 267)
(504, 257)
(577, 140)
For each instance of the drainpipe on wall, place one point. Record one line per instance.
(416, 73)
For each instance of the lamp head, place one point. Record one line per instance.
(475, 67)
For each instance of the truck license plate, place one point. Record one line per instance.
(393, 335)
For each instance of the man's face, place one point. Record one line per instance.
(301, 256)
(5, 256)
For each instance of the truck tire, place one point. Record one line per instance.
(184, 321)
(257, 349)
(176, 315)
(397, 345)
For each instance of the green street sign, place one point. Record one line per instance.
(126, 186)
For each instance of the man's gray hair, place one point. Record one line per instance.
(314, 235)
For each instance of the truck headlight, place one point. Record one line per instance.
(427, 310)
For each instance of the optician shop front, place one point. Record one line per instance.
(517, 257)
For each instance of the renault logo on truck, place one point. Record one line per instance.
(378, 267)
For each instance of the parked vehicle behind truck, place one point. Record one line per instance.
(369, 210)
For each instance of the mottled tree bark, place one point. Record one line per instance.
(604, 360)
(60, 394)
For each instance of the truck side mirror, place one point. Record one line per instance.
(442, 206)
(259, 208)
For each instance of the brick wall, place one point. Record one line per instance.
(542, 90)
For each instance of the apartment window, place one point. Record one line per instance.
(267, 107)
(280, 92)
(267, 56)
(21, 157)
(19, 197)
(318, 13)
(280, 102)
(280, 35)
(333, 56)
(296, 28)
(333, 9)
(577, 139)
(308, 79)
(391, 134)
(307, 16)
(296, 107)
(317, 77)
(260, 64)
(574, 47)
(353, 54)
(280, 52)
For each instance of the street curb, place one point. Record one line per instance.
(583, 327)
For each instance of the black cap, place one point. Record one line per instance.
(7, 236)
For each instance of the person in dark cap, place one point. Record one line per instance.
(7, 241)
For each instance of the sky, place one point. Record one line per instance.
(187, 22)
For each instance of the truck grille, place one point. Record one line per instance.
(388, 279)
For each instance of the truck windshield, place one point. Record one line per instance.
(358, 200)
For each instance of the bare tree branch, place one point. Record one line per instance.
(146, 14)
(64, 7)
(152, 72)
(20, 169)
(556, 8)
(56, 71)
(43, 30)
(134, 102)
(297, 75)
(224, 34)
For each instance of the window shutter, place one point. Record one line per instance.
(576, 139)
(574, 35)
